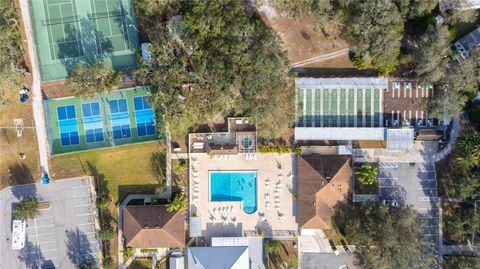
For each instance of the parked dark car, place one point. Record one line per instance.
(345, 247)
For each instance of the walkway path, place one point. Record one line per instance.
(321, 58)
(453, 138)
(37, 98)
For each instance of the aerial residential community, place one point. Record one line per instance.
(258, 134)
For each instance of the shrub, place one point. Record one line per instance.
(108, 263)
(178, 203)
(106, 233)
(147, 250)
(274, 149)
(104, 201)
(128, 252)
(367, 173)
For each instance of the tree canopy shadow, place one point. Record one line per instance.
(20, 174)
(79, 250)
(32, 256)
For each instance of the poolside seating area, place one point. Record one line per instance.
(274, 181)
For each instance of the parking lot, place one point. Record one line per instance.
(59, 237)
(412, 184)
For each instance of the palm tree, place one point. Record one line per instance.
(178, 203)
(468, 148)
(27, 209)
(367, 173)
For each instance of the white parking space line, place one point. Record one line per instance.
(79, 187)
(90, 223)
(88, 195)
(37, 235)
(423, 188)
(83, 205)
(86, 214)
(47, 242)
(42, 226)
(47, 217)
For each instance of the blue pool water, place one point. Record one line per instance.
(235, 186)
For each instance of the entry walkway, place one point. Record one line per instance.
(38, 113)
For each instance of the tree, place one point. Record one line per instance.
(88, 80)
(12, 66)
(106, 233)
(226, 63)
(374, 30)
(324, 12)
(178, 203)
(367, 173)
(26, 209)
(460, 222)
(431, 59)
(469, 146)
(104, 201)
(459, 84)
(462, 262)
(415, 8)
(272, 246)
(385, 237)
(108, 263)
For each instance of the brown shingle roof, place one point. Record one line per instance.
(153, 227)
(323, 181)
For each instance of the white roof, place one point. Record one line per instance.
(255, 247)
(341, 83)
(18, 234)
(400, 139)
(177, 262)
(218, 257)
(339, 133)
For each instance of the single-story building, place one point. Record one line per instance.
(465, 44)
(152, 226)
(228, 252)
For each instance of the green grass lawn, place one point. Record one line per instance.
(137, 168)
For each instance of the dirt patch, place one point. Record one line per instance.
(303, 43)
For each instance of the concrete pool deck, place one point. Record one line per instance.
(266, 166)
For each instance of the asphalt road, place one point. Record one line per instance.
(59, 237)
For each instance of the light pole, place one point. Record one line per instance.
(134, 27)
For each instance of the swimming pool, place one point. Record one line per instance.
(231, 186)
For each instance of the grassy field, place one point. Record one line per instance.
(283, 256)
(13, 170)
(122, 170)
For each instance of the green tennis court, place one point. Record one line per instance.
(317, 108)
(339, 107)
(111, 119)
(360, 108)
(326, 108)
(300, 108)
(343, 108)
(308, 106)
(72, 32)
(351, 107)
